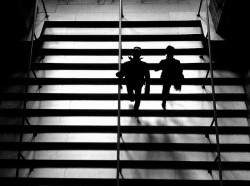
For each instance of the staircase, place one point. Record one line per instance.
(71, 116)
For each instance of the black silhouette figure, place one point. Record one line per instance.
(136, 73)
(171, 74)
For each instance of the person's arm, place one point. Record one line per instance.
(180, 77)
(179, 67)
(158, 66)
(121, 73)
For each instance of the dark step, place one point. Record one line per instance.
(29, 181)
(114, 66)
(190, 147)
(114, 52)
(128, 113)
(78, 96)
(125, 38)
(114, 81)
(125, 24)
(233, 130)
(124, 164)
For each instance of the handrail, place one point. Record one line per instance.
(119, 96)
(213, 94)
(26, 87)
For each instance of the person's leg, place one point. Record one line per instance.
(137, 98)
(130, 92)
(165, 93)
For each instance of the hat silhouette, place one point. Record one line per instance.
(137, 51)
(170, 50)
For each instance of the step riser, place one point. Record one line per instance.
(124, 164)
(112, 81)
(105, 66)
(178, 97)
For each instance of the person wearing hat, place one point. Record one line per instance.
(171, 74)
(136, 73)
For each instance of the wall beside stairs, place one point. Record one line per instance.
(20, 17)
(247, 89)
(16, 31)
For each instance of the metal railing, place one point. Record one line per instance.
(24, 107)
(19, 155)
(119, 96)
(215, 121)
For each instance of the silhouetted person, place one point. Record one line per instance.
(136, 73)
(171, 74)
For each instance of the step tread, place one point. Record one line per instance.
(124, 113)
(183, 37)
(114, 66)
(112, 52)
(229, 130)
(194, 147)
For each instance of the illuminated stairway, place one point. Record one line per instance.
(75, 143)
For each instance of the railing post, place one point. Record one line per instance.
(122, 15)
(206, 48)
(207, 134)
(203, 86)
(34, 73)
(118, 168)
